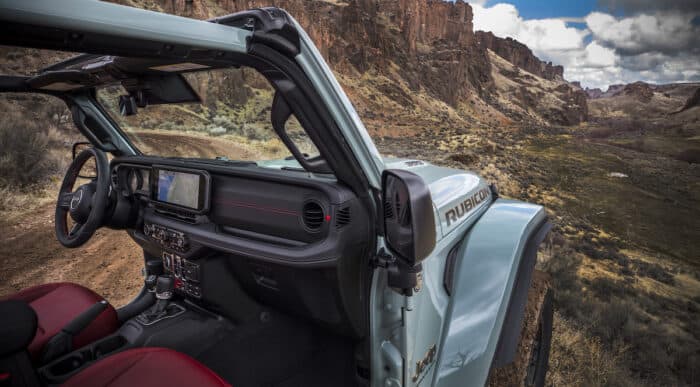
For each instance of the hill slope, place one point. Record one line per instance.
(420, 58)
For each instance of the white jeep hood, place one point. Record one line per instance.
(458, 196)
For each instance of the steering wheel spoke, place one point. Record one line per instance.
(64, 200)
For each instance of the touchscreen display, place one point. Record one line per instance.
(179, 188)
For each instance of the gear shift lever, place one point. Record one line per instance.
(164, 292)
(164, 286)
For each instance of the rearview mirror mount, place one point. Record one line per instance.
(127, 105)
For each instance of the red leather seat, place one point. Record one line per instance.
(152, 367)
(56, 304)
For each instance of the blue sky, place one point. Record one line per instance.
(603, 42)
(552, 8)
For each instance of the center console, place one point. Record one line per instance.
(61, 369)
(166, 323)
(175, 244)
(185, 272)
(167, 237)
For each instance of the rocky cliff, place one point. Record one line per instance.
(409, 51)
(639, 90)
(594, 93)
(519, 55)
(692, 101)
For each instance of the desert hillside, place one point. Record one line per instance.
(617, 170)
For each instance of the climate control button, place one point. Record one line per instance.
(166, 237)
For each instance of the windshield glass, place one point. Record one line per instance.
(232, 121)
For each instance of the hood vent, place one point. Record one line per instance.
(313, 216)
(342, 217)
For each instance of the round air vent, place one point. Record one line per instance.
(313, 216)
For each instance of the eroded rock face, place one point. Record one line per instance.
(693, 100)
(519, 55)
(639, 90)
(613, 90)
(431, 41)
(594, 93)
(429, 45)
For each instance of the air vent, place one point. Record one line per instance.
(313, 216)
(342, 217)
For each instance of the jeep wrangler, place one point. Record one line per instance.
(280, 248)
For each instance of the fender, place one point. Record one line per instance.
(486, 270)
(512, 326)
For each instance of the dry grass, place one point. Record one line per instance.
(578, 359)
(35, 143)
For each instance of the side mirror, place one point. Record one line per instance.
(127, 105)
(409, 220)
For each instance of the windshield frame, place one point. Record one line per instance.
(286, 161)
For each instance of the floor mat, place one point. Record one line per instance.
(282, 351)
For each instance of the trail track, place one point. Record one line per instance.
(110, 263)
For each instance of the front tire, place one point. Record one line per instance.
(529, 368)
(539, 349)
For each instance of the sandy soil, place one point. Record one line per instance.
(110, 263)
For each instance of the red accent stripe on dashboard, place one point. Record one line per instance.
(235, 203)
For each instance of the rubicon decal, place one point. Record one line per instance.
(467, 205)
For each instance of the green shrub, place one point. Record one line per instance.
(24, 156)
(654, 271)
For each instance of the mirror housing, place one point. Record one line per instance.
(127, 105)
(409, 219)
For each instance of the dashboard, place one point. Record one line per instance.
(288, 238)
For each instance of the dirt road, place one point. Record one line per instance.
(110, 263)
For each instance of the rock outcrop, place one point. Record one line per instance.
(432, 41)
(639, 90)
(693, 101)
(428, 45)
(519, 55)
(613, 90)
(593, 93)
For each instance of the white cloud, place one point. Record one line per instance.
(538, 34)
(599, 56)
(662, 47)
(663, 32)
(638, 6)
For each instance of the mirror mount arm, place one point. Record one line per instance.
(401, 277)
(383, 259)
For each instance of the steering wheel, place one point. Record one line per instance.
(87, 204)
